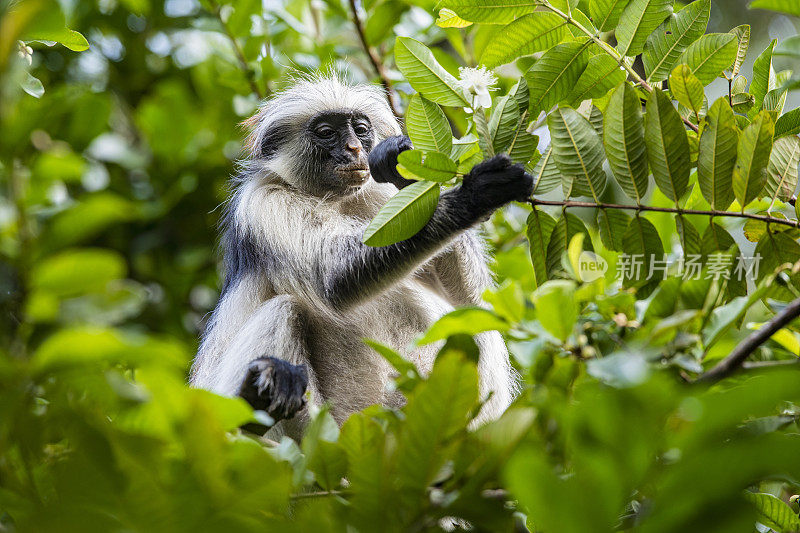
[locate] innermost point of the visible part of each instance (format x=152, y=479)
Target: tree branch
x=237, y=50
x=391, y=95
x=677, y=210
x=736, y=358
x=610, y=50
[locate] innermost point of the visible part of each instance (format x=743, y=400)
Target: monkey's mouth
x=358, y=173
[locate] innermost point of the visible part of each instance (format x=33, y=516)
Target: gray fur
x=302, y=287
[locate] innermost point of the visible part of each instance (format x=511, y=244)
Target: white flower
x=477, y=82
x=25, y=52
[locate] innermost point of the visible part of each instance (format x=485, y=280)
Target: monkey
x=301, y=290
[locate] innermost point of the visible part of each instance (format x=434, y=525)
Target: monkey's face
x=340, y=144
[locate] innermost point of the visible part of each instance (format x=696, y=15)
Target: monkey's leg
x=268, y=363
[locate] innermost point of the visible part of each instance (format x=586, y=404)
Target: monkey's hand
x=275, y=386
x=494, y=183
x=383, y=161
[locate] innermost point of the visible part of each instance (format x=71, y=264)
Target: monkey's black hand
x=275, y=386
x=383, y=161
x=494, y=183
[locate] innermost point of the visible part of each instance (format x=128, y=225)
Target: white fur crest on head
x=312, y=94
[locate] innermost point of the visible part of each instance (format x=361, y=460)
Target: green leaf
x=687, y=89
x=32, y=85
x=329, y=464
x=602, y=74
x=539, y=229
x=755, y=145
x=554, y=75
x=642, y=245
x=775, y=101
x=742, y=34
x=688, y=235
x=556, y=307
x=667, y=146
x=754, y=229
x=578, y=151
x=448, y=19
x=724, y=317
x=525, y=36
x=638, y=20
x=717, y=155
x=565, y=229
x=84, y=346
x=78, y=271
x=482, y=129
x=546, y=176
x=790, y=7
x=432, y=166
x=772, y=511
x=363, y=440
x=49, y=24
x=491, y=11
x=764, y=78
x=612, y=224
x=427, y=126
x=710, y=55
x=465, y=320
x=436, y=411
x=716, y=239
x=89, y=218
x=239, y=21
x=503, y=123
x=425, y=74
x=384, y=17
x=606, y=13
x=624, y=142
x=522, y=145
x=782, y=168
x=403, y=215
x=670, y=40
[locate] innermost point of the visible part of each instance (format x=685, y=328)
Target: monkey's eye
x=361, y=128
x=325, y=132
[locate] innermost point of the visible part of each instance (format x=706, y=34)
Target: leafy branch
x=676, y=210
x=237, y=50
x=608, y=49
x=737, y=357
x=375, y=60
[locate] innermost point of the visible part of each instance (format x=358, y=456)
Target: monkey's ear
x=250, y=126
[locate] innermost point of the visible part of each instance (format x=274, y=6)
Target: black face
x=341, y=142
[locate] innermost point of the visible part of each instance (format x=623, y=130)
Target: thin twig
x=677, y=210
x=317, y=494
x=237, y=50
x=737, y=357
x=756, y=365
x=610, y=50
x=391, y=95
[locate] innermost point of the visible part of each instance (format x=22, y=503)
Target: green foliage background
x=118, y=129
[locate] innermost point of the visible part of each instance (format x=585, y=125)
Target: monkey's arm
x=355, y=271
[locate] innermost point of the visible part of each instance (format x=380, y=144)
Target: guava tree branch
x=737, y=357
x=610, y=50
x=237, y=50
x=375, y=60
x=677, y=210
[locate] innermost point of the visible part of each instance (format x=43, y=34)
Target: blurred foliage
x=113, y=160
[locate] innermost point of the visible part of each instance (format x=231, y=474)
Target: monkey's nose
x=354, y=146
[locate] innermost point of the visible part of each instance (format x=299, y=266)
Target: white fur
x=282, y=311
